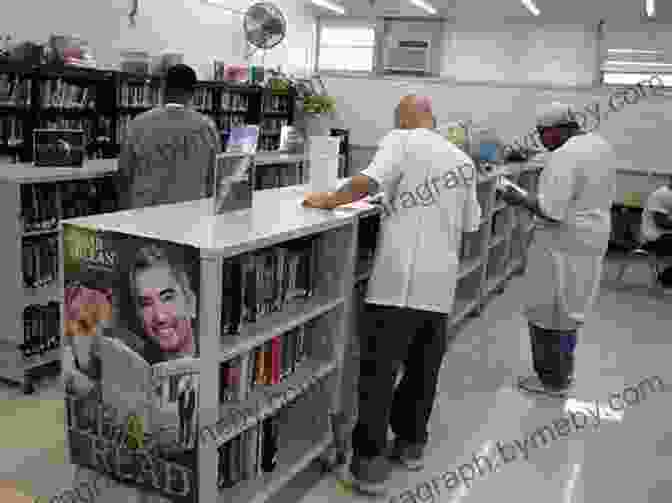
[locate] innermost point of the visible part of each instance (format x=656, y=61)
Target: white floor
x=625, y=458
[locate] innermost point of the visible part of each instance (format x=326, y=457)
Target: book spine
x=244, y=378
x=276, y=349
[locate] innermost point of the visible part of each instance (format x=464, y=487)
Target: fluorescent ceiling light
x=327, y=4
x=424, y=6
x=650, y=8
x=529, y=5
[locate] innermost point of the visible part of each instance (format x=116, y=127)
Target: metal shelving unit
x=14, y=366
x=306, y=401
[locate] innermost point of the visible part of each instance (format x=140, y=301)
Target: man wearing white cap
x=575, y=194
x=430, y=186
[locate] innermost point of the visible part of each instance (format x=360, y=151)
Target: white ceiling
x=619, y=12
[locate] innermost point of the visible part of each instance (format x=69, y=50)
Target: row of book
x=39, y=261
x=227, y=122
x=41, y=329
x=270, y=176
x=139, y=95
x=61, y=94
x=122, y=127
x=273, y=126
x=85, y=124
x=233, y=102
x=269, y=364
x=269, y=143
x=11, y=130
x=367, y=240
x=249, y=455
x=265, y=281
x=39, y=201
x=204, y=98
x=15, y=90
x=276, y=104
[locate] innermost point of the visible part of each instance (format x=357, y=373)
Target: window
x=346, y=47
x=631, y=66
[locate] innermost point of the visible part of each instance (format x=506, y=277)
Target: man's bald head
x=414, y=112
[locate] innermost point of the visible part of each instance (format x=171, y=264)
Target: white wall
x=515, y=53
x=202, y=32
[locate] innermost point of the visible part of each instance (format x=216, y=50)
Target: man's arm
x=383, y=171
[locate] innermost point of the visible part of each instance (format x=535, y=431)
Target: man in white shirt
x=575, y=195
x=430, y=193
x=657, y=227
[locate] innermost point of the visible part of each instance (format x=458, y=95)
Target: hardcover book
x=130, y=359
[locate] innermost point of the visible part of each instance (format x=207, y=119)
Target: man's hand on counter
x=322, y=200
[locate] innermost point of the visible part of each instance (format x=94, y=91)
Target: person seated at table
x=657, y=227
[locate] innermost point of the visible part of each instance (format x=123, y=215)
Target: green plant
x=319, y=104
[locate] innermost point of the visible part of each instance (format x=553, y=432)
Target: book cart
x=35, y=200
x=272, y=288
x=488, y=259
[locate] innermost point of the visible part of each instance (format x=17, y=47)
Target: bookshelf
x=35, y=200
x=270, y=331
x=102, y=102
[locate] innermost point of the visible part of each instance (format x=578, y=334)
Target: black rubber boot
x=553, y=357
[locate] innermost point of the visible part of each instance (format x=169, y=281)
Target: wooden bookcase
x=18, y=184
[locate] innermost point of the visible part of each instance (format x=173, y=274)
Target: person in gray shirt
x=168, y=154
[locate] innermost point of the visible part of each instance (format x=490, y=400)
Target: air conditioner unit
x=408, y=56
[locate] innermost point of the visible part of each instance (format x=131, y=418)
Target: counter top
x=28, y=173
x=276, y=216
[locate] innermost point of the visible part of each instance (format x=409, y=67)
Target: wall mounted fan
x=265, y=27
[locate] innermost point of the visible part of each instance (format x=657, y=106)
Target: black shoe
x=370, y=475
x=408, y=454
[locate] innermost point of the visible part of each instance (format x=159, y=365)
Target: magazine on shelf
x=131, y=359
x=234, y=182
x=243, y=140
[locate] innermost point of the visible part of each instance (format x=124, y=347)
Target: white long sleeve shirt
x=431, y=185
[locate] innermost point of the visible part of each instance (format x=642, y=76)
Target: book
x=233, y=182
x=243, y=139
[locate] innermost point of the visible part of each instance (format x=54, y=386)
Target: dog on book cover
x=132, y=370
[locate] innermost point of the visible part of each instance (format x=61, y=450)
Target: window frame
x=325, y=21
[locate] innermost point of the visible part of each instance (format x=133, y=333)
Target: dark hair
x=181, y=78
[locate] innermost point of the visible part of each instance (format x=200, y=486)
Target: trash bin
x=553, y=339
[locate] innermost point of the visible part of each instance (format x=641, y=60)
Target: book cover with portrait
x=130, y=359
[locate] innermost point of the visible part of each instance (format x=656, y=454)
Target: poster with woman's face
x=131, y=333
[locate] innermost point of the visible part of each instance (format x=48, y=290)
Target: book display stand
x=220, y=339
x=35, y=201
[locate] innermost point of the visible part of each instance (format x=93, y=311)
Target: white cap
x=555, y=114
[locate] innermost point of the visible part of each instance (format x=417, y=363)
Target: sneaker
x=408, y=454
x=370, y=475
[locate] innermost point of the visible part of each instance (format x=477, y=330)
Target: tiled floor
x=624, y=457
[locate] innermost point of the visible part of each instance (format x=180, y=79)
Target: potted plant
x=318, y=112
